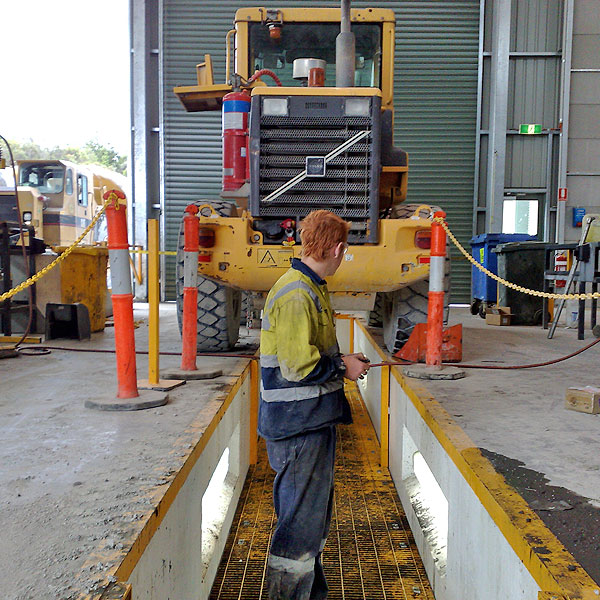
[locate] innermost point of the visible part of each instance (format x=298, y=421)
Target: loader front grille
x=316, y=126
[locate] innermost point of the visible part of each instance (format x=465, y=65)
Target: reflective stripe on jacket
x=301, y=381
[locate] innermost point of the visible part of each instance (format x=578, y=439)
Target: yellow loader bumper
x=241, y=260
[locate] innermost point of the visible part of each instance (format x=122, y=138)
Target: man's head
x=320, y=231
x=324, y=236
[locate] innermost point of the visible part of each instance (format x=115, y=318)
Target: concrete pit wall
x=477, y=537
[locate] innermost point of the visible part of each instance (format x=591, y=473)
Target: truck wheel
x=219, y=306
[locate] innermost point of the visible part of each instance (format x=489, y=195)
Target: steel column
x=498, y=114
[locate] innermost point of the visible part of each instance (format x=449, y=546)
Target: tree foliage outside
x=93, y=153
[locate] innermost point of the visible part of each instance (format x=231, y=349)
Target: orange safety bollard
x=435, y=310
x=189, y=328
x=189, y=320
x=128, y=397
x=122, y=297
x=433, y=368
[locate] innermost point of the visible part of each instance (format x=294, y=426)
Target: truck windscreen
x=315, y=40
x=47, y=178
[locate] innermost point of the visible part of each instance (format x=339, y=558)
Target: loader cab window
x=315, y=40
x=82, y=190
x=47, y=178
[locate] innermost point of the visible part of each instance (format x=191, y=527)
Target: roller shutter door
x=435, y=85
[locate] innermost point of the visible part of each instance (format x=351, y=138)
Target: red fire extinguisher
x=560, y=264
x=236, y=109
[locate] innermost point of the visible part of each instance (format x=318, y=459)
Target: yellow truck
x=319, y=135
x=59, y=199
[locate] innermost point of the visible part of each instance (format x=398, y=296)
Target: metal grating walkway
x=370, y=551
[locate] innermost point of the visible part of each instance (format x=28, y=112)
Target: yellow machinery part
x=241, y=259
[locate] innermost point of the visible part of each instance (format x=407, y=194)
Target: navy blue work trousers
x=303, y=498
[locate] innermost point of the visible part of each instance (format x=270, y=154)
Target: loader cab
x=273, y=39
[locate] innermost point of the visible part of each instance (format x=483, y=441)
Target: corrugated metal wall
x=435, y=101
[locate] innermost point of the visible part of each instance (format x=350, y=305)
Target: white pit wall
x=177, y=562
x=475, y=559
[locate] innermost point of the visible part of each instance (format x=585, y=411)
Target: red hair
x=320, y=231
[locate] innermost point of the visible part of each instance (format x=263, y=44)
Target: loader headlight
x=27, y=216
x=275, y=107
x=357, y=107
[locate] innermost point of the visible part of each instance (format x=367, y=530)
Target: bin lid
x=519, y=247
x=500, y=238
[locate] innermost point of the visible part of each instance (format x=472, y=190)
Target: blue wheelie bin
x=484, y=288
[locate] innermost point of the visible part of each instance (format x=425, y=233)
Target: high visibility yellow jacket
x=302, y=371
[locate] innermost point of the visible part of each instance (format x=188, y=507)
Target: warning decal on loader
x=274, y=258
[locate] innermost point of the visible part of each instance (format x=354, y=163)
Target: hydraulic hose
x=262, y=72
x=39, y=350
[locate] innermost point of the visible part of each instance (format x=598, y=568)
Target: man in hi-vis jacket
x=302, y=400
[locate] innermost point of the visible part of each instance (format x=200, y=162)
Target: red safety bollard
x=189, y=329
x=122, y=297
x=435, y=311
x=189, y=320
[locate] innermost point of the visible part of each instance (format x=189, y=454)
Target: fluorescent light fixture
x=358, y=107
x=275, y=107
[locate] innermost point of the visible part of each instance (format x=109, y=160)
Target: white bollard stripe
x=436, y=273
x=120, y=273
x=190, y=269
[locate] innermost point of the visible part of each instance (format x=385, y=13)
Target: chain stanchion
x=433, y=368
x=435, y=304
x=191, y=248
x=128, y=397
x=189, y=321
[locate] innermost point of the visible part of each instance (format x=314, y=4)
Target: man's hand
x=357, y=365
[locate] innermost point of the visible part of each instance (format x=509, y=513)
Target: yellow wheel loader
x=319, y=135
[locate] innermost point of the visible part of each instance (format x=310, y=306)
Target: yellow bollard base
x=162, y=385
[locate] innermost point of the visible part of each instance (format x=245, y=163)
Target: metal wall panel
x=435, y=83
x=435, y=99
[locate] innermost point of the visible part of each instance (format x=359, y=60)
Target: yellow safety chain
x=513, y=286
x=25, y=284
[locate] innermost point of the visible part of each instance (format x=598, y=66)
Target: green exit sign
x=529, y=129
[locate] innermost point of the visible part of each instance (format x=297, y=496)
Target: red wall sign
x=562, y=194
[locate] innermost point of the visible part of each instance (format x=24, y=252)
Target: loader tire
x=404, y=308
x=376, y=315
x=219, y=306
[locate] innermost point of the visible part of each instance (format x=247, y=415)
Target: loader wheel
x=402, y=310
x=219, y=306
x=376, y=315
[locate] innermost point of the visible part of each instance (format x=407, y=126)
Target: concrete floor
x=73, y=478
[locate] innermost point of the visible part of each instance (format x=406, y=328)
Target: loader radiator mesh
x=349, y=186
